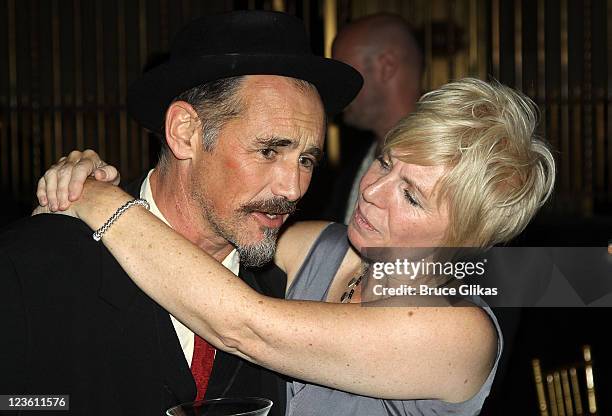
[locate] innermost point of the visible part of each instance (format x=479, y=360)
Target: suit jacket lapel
x=136, y=310
x=178, y=380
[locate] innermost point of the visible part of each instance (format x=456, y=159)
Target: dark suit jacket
x=72, y=322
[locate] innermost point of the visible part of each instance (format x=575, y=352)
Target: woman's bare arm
x=387, y=352
x=63, y=183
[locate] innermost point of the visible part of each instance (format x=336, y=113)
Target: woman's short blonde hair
x=499, y=173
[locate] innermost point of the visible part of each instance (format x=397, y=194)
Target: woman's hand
x=63, y=183
x=98, y=201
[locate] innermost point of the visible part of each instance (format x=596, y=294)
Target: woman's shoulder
x=295, y=243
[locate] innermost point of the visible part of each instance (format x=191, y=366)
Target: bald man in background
x=383, y=48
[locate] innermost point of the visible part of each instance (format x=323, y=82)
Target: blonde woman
x=465, y=169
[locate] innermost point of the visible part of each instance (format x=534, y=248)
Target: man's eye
x=307, y=162
x=411, y=199
x=268, y=153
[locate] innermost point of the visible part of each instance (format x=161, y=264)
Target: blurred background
x=65, y=66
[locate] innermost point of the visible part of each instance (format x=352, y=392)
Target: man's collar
x=147, y=193
x=231, y=261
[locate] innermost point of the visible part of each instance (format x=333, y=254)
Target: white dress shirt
x=231, y=262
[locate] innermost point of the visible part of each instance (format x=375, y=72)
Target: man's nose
x=287, y=183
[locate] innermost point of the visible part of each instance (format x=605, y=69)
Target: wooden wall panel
x=66, y=65
x=558, y=52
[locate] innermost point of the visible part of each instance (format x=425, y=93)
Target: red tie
x=201, y=364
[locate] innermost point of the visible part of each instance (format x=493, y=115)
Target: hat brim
x=149, y=97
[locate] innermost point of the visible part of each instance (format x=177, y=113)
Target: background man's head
x=383, y=48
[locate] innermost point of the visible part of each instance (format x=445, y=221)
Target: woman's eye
x=383, y=162
x=411, y=199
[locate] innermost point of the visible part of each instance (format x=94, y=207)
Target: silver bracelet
x=97, y=235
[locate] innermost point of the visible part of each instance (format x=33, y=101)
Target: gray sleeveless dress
x=312, y=283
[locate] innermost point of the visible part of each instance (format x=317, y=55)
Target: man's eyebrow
x=315, y=151
x=275, y=141
x=415, y=186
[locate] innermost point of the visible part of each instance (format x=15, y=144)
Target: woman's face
x=397, y=206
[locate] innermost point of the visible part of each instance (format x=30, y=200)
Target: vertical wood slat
x=599, y=151
x=518, y=44
x=553, y=97
x=495, y=38
x=13, y=124
x=186, y=11
x=330, y=29
x=4, y=152
x=4, y=123
x=4, y=147
x=100, y=96
x=46, y=109
x=577, y=139
x=20, y=122
x=163, y=24
x=35, y=87
x=460, y=69
x=78, y=75
x=473, y=48
x=428, y=45
x=57, y=79
x=565, y=125
x=541, y=62
x=47, y=137
x=143, y=50
x=278, y=5
x=306, y=15
x=482, y=39
x=609, y=118
x=26, y=139
x=587, y=108
x=576, y=168
x=450, y=35
x=122, y=75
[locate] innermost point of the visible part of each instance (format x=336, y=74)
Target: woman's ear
x=182, y=129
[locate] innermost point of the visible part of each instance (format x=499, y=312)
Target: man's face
x=363, y=110
x=261, y=165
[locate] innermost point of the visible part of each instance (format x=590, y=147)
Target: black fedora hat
x=234, y=44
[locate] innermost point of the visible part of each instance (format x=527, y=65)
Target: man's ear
x=182, y=129
x=388, y=63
